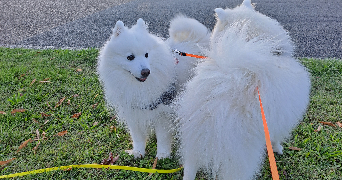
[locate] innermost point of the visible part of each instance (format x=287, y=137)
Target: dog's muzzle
x=144, y=74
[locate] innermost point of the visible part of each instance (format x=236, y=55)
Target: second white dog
x=221, y=129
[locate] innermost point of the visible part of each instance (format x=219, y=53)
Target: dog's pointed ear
x=248, y=4
x=220, y=14
x=141, y=24
x=119, y=28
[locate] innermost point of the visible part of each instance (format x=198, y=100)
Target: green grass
x=91, y=136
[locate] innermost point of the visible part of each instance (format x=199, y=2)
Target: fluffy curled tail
x=184, y=29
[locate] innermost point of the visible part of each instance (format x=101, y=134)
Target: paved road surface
x=315, y=26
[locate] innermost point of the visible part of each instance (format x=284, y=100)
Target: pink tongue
x=143, y=79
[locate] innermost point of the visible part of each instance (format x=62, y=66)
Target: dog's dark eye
x=146, y=55
x=130, y=57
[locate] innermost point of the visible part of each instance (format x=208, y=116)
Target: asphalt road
x=314, y=25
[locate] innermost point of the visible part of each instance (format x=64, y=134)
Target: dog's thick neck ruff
x=166, y=98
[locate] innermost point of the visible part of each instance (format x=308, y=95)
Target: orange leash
x=187, y=54
x=273, y=165
x=196, y=56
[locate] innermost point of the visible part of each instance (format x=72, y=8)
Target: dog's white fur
x=221, y=129
x=258, y=24
x=136, y=68
x=190, y=36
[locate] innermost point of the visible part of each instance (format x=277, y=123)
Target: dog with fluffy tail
x=140, y=79
x=220, y=125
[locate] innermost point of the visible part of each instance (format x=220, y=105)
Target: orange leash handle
x=273, y=165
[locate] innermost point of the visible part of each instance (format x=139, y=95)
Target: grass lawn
x=59, y=99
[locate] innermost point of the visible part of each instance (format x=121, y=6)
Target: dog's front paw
x=163, y=150
x=135, y=153
x=163, y=155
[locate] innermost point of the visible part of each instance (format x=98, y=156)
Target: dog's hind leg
x=277, y=147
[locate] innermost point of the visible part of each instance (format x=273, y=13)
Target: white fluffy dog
x=138, y=73
x=221, y=130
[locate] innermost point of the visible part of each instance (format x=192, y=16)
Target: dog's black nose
x=145, y=72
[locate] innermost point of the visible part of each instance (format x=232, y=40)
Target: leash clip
x=179, y=52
